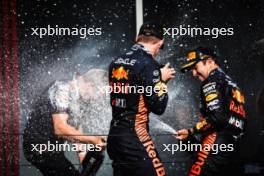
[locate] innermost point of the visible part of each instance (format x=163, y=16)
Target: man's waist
x=127, y=124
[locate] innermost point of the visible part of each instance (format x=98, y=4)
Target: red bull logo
x=191, y=56
x=239, y=109
x=238, y=96
x=120, y=73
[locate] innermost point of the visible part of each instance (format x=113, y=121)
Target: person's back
x=137, y=89
x=132, y=73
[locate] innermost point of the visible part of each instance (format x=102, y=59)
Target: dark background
x=51, y=58
x=241, y=55
x=42, y=61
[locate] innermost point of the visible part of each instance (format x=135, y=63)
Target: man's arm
x=216, y=116
x=152, y=78
x=216, y=106
x=64, y=130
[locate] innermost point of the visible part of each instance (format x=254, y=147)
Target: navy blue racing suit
x=137, y=90
x=222, y=124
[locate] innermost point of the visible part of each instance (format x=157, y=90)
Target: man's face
x=201, y=70
x=158, y=46
x=90, y=90
x=86, y=89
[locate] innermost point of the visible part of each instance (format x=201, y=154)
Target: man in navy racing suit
x=222, y=111
x=138, y=88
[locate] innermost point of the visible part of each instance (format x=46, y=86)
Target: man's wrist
x=165, y=82
x=190, y=131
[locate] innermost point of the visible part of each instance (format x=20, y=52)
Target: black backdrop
x=50, y=58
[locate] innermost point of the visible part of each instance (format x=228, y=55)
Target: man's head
x=90, y=84
x=201, y=61
x=151, y=36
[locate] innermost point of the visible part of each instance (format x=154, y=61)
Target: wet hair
x=96, y=77
x=148, y=39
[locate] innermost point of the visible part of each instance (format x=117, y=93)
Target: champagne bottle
x=92, y=162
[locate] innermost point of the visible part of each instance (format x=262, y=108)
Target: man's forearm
x=190, y=131
x=202, y=126
x=70, y=133
x=66, y=131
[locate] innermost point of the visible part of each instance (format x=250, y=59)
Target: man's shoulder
x=58, y=93
x=215, y=81
x=132, y=59
x=59, y=84
x=225, y=80
x=219, y=80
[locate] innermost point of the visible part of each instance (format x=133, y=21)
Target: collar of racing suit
x=141, y=47
x=213, y=72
